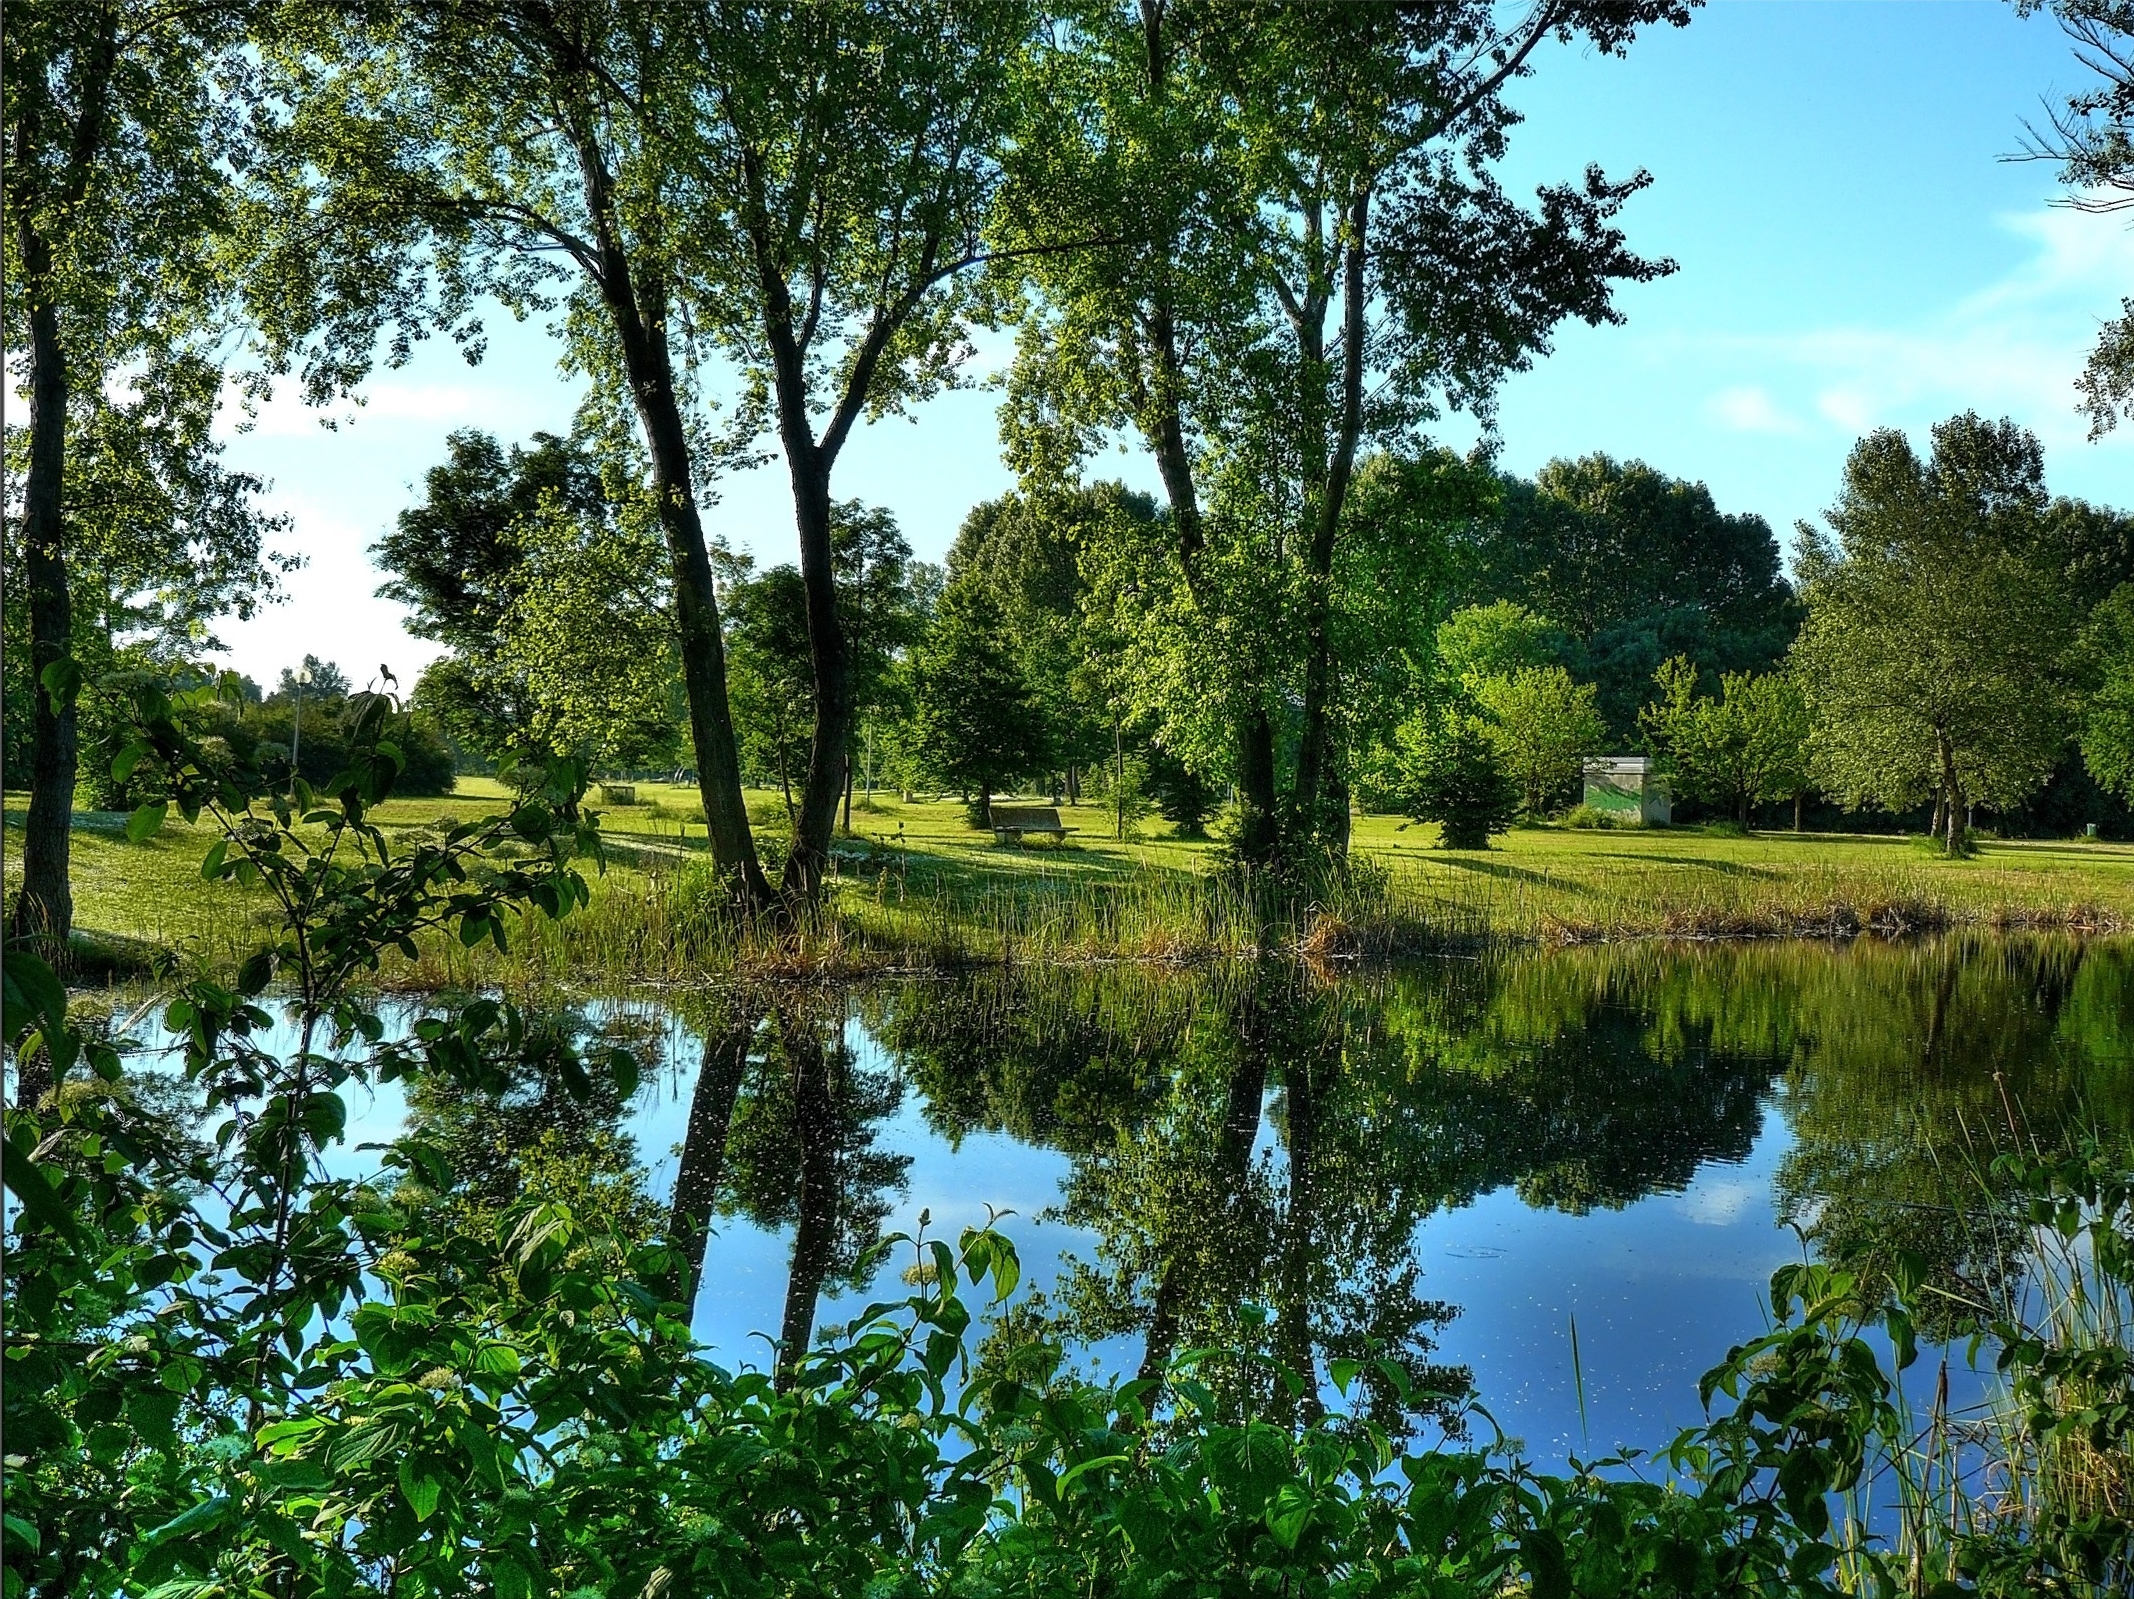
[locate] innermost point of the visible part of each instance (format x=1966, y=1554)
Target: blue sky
x=1854, y=252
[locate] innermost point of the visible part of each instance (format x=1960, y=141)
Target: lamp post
x=296, y=726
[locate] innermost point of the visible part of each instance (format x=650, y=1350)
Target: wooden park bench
x=1013, y=823
x=618, y=793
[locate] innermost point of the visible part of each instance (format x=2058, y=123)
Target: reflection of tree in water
x=800, y=1150
x=1917, y=1065
x=548, y=1128
x=1387, y=1100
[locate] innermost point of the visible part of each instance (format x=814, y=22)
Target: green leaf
x=497, y=1360
x=208, y=1513
x=147, y=821
x=211, y=866
x=421, y=1488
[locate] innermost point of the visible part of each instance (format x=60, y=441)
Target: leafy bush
x=1457, y=779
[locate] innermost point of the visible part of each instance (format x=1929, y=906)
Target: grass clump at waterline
x=915, y=886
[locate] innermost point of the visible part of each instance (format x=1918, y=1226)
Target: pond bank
x=916, y=890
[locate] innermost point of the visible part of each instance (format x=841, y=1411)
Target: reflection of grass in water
x=916, y=886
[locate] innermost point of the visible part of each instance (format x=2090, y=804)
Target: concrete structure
x=1627, y=786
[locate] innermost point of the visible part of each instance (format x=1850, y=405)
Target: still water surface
x=1450, y=1162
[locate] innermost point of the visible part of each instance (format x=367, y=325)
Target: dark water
x=1449, y=1164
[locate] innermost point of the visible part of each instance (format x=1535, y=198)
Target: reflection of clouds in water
x=1719, y=1203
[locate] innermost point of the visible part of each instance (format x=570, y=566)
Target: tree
x=1495, y=640
x=432, y=157
x=1934, y=658
x=1028, y=550
x=456, y=560
x=1743, y=748
x=1643, y=567
x=1543, y=726
x=1454, y=776
x=124, y=121
x=2092, y=139
x=973, y=718
x=838, y=204
x=592, y=639
x=326, y=681
x=773, y=674
x=1306, y=259
x=2108, y=719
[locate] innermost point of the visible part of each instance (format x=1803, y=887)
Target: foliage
x=973, y=721
x=1185, y=798
x=2108, y=719
x=1496, y=640
x=457, y=560
x=1455, y=776
x=1306, y=258
x=1639, y=567
x=2092, y=138
x=1543, y=726
x=1745, y=747
x=1933, y=660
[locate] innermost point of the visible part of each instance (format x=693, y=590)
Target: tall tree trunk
x=639, y=320
x=848, y=792
x=1796, y=810
x=829, y=658
x=1952, y=801
x=1310, y=802
x=43, y=911
x=815, y=1154
x=711, y=1115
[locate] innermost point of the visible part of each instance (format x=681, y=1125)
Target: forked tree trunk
x=638, y=315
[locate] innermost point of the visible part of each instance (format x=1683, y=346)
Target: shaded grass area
x=916, y=887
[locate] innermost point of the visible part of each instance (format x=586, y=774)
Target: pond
x=1563, y=1176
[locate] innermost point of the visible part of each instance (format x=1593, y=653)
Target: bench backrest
x=1032, y=816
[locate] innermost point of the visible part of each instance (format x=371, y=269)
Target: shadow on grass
x=1522, y=874
x=1724, y=868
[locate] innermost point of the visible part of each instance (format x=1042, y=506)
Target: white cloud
x=1751, y=409
x=1718, y=1203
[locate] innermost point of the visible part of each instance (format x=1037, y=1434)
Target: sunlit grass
x=914, y=885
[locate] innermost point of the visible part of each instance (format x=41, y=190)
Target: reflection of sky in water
x=1660, y=1290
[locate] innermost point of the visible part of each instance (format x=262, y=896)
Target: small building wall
x=1627, y=786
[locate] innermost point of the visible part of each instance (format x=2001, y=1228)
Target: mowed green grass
x=913, y=870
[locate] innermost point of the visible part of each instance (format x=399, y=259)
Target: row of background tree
x=1018, y=663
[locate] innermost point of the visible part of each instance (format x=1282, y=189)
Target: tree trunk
x=641, y=331
x=711, y=1115
x=1741, y=810
x=43, y=912
x=1796, y=811
x=985, y=805
x=1258, y=831
x=1952, y=800
x=815, y=1155
x=848, y=793
x=1310, y=803
x=828, y=657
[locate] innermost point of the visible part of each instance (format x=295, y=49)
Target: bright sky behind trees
x=1854, y=252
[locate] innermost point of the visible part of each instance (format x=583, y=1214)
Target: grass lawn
x=915, y=878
